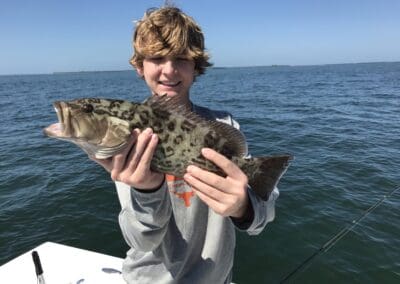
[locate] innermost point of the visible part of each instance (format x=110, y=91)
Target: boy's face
x=168, y=75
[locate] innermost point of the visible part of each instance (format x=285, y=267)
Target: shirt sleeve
x=144, y=219
x=264, y=212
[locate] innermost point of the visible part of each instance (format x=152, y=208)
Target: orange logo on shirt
x=180, y=188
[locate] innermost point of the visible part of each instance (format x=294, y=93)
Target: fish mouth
x=59, y=129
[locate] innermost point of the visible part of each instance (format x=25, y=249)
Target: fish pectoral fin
x=114, y=138
x=117, y=132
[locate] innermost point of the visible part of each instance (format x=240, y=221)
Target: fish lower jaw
x=55, y=130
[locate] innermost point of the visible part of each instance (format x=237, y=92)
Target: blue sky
x=45, y=36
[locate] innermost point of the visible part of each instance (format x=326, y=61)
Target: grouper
x=103, y=128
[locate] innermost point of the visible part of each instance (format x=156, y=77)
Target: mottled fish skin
x=102, y=128
x=183, y=134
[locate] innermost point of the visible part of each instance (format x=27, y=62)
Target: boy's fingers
x=209, y=191
x=119, y=160
x=208, y=178
x=229, y=167
x=137, y=152
x=207, y=200
x=132, y=155
x=148, y=153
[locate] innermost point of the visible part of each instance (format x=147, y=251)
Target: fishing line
x=331, y=242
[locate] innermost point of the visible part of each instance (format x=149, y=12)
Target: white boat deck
x=63, y=265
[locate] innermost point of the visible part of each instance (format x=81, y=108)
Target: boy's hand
x=227, y=196
x=132, y=166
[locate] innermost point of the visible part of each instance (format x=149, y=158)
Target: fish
x=103, y=128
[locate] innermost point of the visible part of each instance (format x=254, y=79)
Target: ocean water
x=342, y=123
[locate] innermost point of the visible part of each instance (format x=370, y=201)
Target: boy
x=180, y=230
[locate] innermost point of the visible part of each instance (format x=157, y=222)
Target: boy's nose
x=169, y=66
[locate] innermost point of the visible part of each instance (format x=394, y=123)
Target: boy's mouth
x=169, y=84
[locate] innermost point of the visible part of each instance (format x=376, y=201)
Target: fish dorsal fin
x=235, y=140
x=170, y=104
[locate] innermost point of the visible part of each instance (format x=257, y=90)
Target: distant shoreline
x=96, y=71
x=216, y=67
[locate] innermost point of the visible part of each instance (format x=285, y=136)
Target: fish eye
x=88, y=108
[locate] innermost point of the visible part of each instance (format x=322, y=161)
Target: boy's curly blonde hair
x=168, y=31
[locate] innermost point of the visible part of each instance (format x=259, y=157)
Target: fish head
x=98, y=126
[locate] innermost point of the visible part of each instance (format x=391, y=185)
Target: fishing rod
x=332, y=241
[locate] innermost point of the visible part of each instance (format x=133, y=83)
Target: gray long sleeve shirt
x=175, y=237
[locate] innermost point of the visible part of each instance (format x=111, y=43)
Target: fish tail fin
x=264, y=173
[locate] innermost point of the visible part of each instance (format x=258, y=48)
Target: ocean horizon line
x=213, y=67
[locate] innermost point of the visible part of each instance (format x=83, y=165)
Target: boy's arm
x=144, y=218
x=145, y=211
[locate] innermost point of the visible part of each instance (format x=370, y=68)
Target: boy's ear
x=140, y=72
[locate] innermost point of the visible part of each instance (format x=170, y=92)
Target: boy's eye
x=155, y=59
x=161, y=59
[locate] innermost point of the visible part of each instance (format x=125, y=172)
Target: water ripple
x=340, y=121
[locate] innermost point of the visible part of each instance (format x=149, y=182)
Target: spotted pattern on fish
x=181, y=138
x=104, y=128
